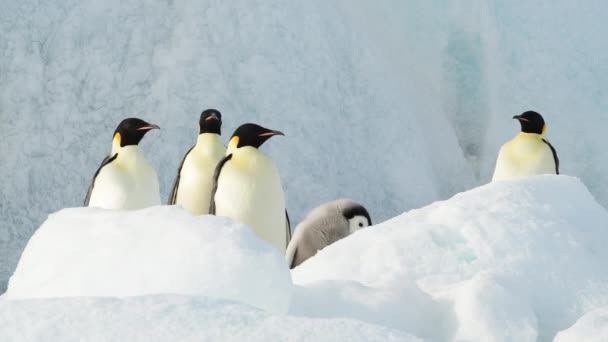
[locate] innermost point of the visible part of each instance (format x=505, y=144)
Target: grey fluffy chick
x=323, y=226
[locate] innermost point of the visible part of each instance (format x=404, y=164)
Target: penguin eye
x=361, y=224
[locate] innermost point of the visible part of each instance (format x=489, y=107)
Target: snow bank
x=97, y=252
x=510, y=261
x=593, y=327
x=171, y=318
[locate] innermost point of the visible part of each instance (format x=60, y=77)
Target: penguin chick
x=125, y=179
x=194, y=181
x=323, y=226
x=529, y=153
x=247, y=187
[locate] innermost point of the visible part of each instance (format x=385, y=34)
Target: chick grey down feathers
x=323, y=226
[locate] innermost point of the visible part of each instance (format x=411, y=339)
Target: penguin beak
x=271, y=133
x=147, y=127
x=518, y=117
x=212, y=117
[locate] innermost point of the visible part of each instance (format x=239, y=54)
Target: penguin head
x=130, y=131
x=210, y=122
x=356, y=215
x=252, y=135
x=531, y=122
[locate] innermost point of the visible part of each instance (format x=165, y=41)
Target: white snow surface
x=83, y=252
x=593, y=327
x=520, y=260
x=393, y=103
x=510, y=261
x=171, y=318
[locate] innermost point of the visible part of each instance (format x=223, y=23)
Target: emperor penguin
x=194, y=181
x=247, y=187
x=323, y=226
x=125, y=179
x=529, y=153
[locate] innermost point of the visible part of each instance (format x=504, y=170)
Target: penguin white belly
x=129, y=182
x=111, y=188
x=147, y=191
x=250, y=192
x=524, y=156
x=196, y=177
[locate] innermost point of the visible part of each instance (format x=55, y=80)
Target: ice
x=509, y=261
x=83, y=252
x=171, y=318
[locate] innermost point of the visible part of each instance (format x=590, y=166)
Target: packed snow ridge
x=98, y=252
x=519, y=260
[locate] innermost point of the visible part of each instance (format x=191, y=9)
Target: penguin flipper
x=555, y=158
x=216, y=178
x=107, y=160
x=287, y=228
x=174, y=188
x=291, y=253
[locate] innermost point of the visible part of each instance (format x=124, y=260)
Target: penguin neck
x=249, y=157
x=524, y=135
x=207, y=139
x=128, y=156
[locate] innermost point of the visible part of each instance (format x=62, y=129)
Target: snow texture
x=95, y=252
x=392, y=103
x=593, y=327
x=509, y=261
x=171, y=318
x=520, y=260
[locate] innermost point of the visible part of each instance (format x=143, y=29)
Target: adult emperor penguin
x=125, y=179
x=529, y=153
x=247, y=187
x=194, y=181
x=323, y=226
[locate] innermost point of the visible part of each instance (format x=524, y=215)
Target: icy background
x=393, y=103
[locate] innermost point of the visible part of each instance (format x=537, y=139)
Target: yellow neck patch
x=117, y=138
x=544, y=130
x=116, y=143
x=234, y=142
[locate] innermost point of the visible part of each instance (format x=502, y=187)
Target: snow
x=509, y=261
x=171, y=318
x=593, y=327
x=520, y=260
x=97, y=252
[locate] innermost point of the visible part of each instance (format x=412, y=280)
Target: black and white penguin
x=194, y=181
x=125, y=179
x=529, y=153
x=247, y=187
x=323, y=226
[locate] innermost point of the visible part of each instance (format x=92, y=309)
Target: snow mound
x=97, y=252
x=171, y=318
x=593, y=327
x=517, y=260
